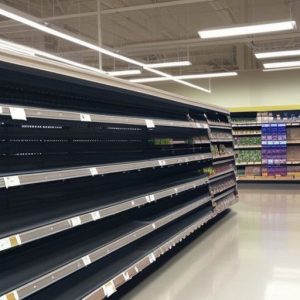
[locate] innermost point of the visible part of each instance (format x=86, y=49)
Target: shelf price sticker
x=5, y=244
x=18, y=113
x=150, y=198
x=200, y=125
x=162, y=163
x=86, y=260
x=149, y=123
x=11, y=181
x=152, y=258
x=95, y=215
x=85, y=118
x=94, y=171
x=10, y=296
x=126, y=276
x=109, y=289
x=1, y=112
x=75, y=221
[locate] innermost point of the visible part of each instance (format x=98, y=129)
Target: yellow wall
x=249, y=89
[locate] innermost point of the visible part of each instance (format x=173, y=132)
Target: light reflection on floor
x=251, y=254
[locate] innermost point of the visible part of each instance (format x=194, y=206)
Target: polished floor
x=253, y=253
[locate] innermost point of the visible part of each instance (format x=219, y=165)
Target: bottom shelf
x=268, y=178
x=103, y=278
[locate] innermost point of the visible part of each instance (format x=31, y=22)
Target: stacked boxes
x=248, y=156
x=274, y=149
x=249, y=140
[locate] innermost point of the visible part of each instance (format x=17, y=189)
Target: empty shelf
x=26, y=272
x=115, y=270
x=24, y=179
x=34, y=112
x=26, y=225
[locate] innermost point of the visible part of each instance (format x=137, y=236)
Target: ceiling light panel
x=124, y=73
x=170, y=64
x=275, y=54
x=247, y=30
x=280, y=69
x=283, y=64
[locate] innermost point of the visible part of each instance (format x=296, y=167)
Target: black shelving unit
x=97, y=181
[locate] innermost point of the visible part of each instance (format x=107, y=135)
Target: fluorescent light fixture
x=280, y=69
x=9, y=46
x=247, y=30
x=170, y=64
x=124, y=72
x=186, y=77
x=282, y=64
x=10, y=13
x=173, y=78
x=20, y=49
x=275, y=54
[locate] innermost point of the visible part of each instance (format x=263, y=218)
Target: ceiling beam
x=152, y=6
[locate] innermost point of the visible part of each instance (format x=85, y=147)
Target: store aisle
x=253, y=253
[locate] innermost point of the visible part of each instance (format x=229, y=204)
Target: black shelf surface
x=86, y=171
x=39, y=144
x=87, y=280
x=32, y=87
x=24, y=210
x=225, y=193
x=30, y=262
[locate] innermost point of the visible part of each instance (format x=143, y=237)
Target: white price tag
x=75, y=221
x=176, y=190
x=11, y=181
x=200, y=125
x=149, y=123
x=17, y=113
x=94, y=171
x=162, y=163
x=153, y=225
x=18, y=239
x=12, y=295
x=85, y=118
x=109, y=288
x=126, y=276
x=86, y=260
x=150, y=198
x=1, y=110
x=152, y=258
x=5, y=244
x=95, y=215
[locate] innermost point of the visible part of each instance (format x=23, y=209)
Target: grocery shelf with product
x=100, y=177
x=267, y=145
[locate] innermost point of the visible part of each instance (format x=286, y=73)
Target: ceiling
x=155, y=31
